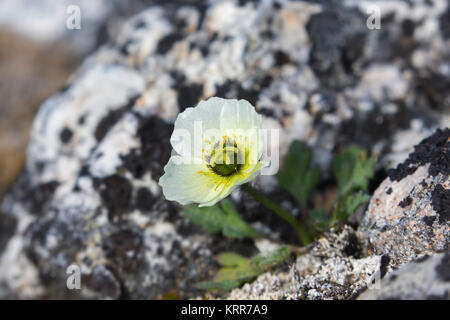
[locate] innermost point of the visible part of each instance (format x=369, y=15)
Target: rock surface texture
x=332, y=269
x=427, y=278
x=89, y=195
x=77, y=24
x=409, y=213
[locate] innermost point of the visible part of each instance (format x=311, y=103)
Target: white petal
x=183, y=183
x=190, y=125
x=225, y=193
x=213, y=117
x=239, y=115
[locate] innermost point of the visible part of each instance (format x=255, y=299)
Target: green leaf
x=243, y=272
x=318, y=216
x=353, y=169
x=231, y=259
x=349, y=203
x=211, y=218
x=298, y=177
x=276, y=257
x=233, y=226
x=238, y=269
x=319, y=219
x=224, y=285
x=221, y=218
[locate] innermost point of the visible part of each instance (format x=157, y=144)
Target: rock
x=332, y=269
x=89, y=195
x=427, y=278
x=90, y=198
x=408, y=215
x=47, y=23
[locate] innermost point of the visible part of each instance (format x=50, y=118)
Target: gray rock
x=89, y=194
x=408, y=215
x=427, y=278
x=332, y=269
x=45, y=23
x=90, y=198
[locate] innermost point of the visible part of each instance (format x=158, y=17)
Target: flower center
x=226, y=161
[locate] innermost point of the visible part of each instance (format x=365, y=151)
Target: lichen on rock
x=408, y=214
x=333, y=268
x=424, y=279
x=89, y=194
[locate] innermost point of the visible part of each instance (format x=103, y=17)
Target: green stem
x=302, y=233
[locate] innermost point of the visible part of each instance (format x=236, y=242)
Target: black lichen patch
x=429, y=220
x=244, y=2
x=40, y=195
x=422, y=259
x=431, y=89
x=116, y=193
x=408, y=27
x=405, y=202
x=71, y=235
x=167, y=42
x=434, y=150
x=270, y=113
x=353, y=50
x=204, y=48
x=251, y=95
x=125, y=48
x=384, y=264
x=281, y=58
x=445, y=23
x=223, y=89
x=368, y=128
x=103, y=281
x=233, y=89
x=443, y=268
x=400, y=46
x=8, y=226
x=401, y=171
x=393, y=277
x=440, y=198
x=107, y=123
x=144, y=200
x=353, y=247
x=82, y=120
x=140, y=24
x=338, y=36
x=123, y=249
x=189, y=95
x=265, y=82
x=389, y=191
x=154, y=134
x=377, y=179
x=111, y=119
x=66, y=135
x=84, y=171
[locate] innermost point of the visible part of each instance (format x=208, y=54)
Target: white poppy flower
x=219, y=147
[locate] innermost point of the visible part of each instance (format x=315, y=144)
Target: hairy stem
x=301, y=231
